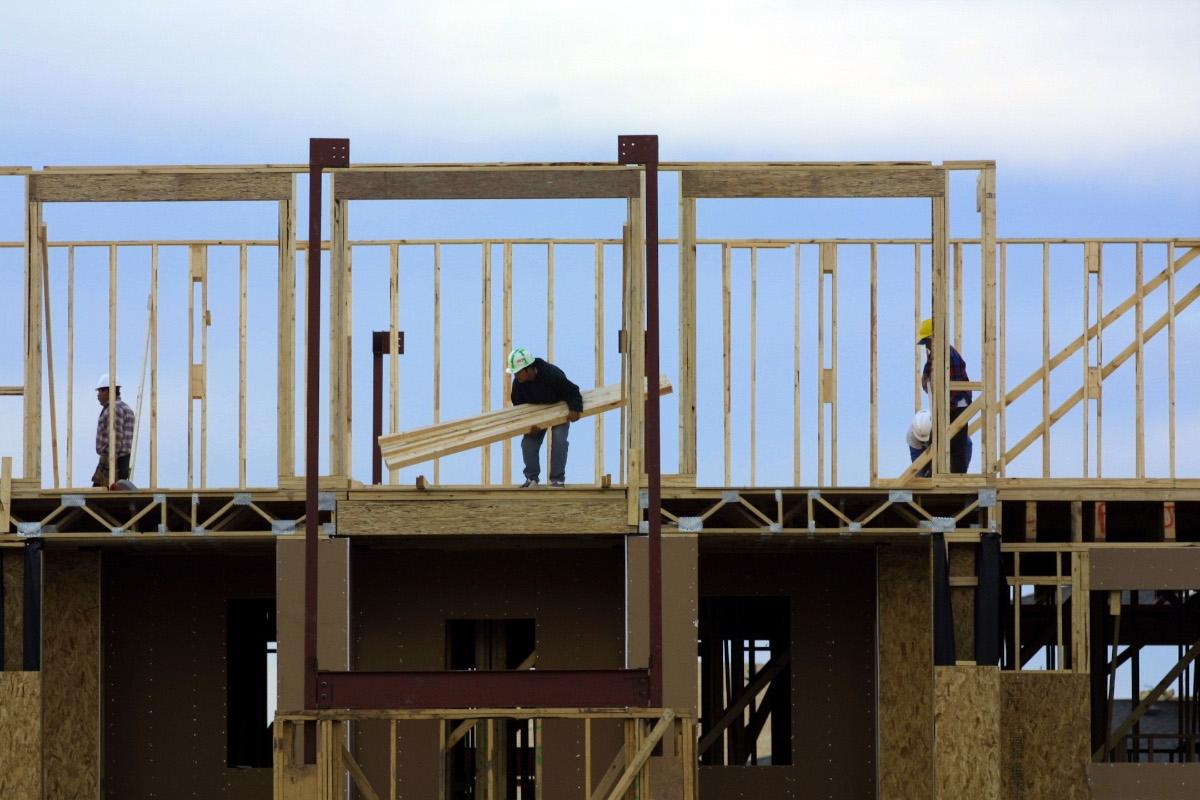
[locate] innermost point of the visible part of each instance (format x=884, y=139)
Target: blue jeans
x=531, y=443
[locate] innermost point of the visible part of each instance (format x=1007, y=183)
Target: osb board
x=71, y=672
x=402, y=598
x=1044, y=720
x=20, y=736
x=333, y=613
x=679, y=615
x=962, y=600
x=832, y=615
x=966, y=713
x=1144, y=781
x=12, y=572
x=540, y=511
x=164, y=648
x=905, y=673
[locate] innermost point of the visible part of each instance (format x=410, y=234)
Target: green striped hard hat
x=519, y=359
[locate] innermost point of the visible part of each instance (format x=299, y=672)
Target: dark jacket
x=550, y=386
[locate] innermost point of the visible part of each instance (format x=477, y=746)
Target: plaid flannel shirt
x=122, y=429
x=958, y=372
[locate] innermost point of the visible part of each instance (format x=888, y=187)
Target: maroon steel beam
x=644, y=150
x=322, y=153
x=542, y=688
x=381, y=345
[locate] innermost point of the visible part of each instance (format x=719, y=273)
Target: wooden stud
x=437, y=355
x=153, y=325
x=598, y=355
x=637, y=327
x=205, y=322
x=1088, y=258
x=958, y=295
x=1001, y=407
x=485, y=401
x=506, y=301
x=1168, y=516
x=687, y=336
x=392, y=760
x=833, y=364
x=824, y=397
x=71, y=358
x=796, y=455
x=726, y=360
x=1031, y=524
x=1046, y=357
x=5, y=494
x=393, y=347
x=1058, y=607
x=987, y=207
x=940, y=394
x=1139, y=422
x=753, y=358
x=1016, y=586
x=112, y=362
x=1099, y=527
x=874, y=389
x=550, y=301
x=587, y=757
x=285, y=340
x=916, y=325
x=1098, y=385
x=1171, y=359
x=538, y=758
x=1076, y=521
x=49, y=328
x=31, y=463
x=242, y=377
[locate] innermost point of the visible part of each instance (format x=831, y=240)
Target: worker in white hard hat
x=122, y=433
x=960, y=443
x=538, y=381
x=920, y=431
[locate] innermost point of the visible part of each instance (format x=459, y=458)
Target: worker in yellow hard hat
x=960, y=443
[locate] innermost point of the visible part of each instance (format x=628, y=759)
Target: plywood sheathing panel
x=164, y=639
x=966, y=711
x=402, y=598
x=20, y=735
x=1144, y=781
x=498, y=184
x=12, y=572
x=65, y=187
x=1145, y=568
x=543, y=511
x=71, y=673
x=1044, y=728
x=832, y=616
x=962, y=565
x=333, y=613
x=679, y=620
x=905, y=673
x=917, y=181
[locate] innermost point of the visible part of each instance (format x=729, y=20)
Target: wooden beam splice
x=424, y=444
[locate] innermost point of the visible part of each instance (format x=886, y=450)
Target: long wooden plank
x=422, y=444
x=497, y=184
x=915, y=181
x=65, y=188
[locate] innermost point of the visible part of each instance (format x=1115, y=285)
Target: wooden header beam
x=82, y=188
x=492, y=184
x=816, y=182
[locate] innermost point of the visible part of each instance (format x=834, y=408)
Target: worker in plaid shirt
x=122, y=432
x=960, y=443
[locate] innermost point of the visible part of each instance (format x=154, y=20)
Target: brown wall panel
x=1144, y=781
x=679, y=591
x=333, y=613
x=1044, y=720
x=164, y=671
x=905, y=673
x=966, y=709
x=832, y=611
x=1146, y=568
x=12, y=572
x=71, y=673
x=20, y=735
x=403, y=597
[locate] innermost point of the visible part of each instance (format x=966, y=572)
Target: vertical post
x=153, y=323
x=31, y=465
x=644, y=150
x=112, y=364
x=939, y=391
x=242, y=298
x=389, y=342
x=987, y=255
x=687, y=335
x=598, y=366
x=874, y=457
x=71, y=355
x=286, y=341
x=322, y=153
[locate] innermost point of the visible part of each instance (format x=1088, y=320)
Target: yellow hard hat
x=925, y=330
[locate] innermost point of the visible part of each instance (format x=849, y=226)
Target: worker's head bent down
x=521, y=365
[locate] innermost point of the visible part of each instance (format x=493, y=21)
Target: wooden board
x=966, y=710
x=53, y=187
x=496, y=184
x=530, y=511
x=1045, y=737
x=816, y=182
x=20, y=735
x=12, y=572
x=71, y=673
x=425, y=444
x=905, y=672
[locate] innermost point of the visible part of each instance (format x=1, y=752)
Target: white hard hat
x=103, y=383
x=519, y=359
x=922, y=425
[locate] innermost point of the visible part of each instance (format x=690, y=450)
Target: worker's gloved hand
x=573, y=416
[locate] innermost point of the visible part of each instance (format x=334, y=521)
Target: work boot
x=556, y=484
x=529, y=483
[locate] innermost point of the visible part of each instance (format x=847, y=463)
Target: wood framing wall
x=164, y=637
x=832, y=609
x=71, y=673
x=21, y=735
x=905, y=672
x=403, y=597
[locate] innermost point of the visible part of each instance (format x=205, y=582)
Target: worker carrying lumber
x=538, y=381
x=960, y=443
x=122, y=432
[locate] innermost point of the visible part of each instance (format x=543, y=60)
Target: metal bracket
x=814, y=493
x=283, y=526
x=329, y=529
x=637, y=149
x=690, y=524
x=643, y=499
x=899, y=496
x=987, y=498
x=29, y=529
x=158, y=498
x=775, y=527
x=644, y=526
x=195, y=499
x=326, y=501
x=943, y=525
x=198, y=530
x=854, y=526
x=730, y=497
x=117, y=531
x=329, y=152
x=162, y=528
x=73, y=501
x=241, y=498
